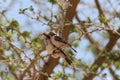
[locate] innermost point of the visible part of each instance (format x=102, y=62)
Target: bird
x=53, y=50
x=48, y=44
x=60, y=42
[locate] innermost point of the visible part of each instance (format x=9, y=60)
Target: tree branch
x=112, y=41
x=50, y=65
x=113, y=74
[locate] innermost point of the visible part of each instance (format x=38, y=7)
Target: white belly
x=49, y=47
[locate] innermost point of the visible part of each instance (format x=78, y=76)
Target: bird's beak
x=46, y=35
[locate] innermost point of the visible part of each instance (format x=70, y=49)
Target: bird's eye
x=51, y=34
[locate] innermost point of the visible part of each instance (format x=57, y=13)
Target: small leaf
x=1, y=33
x=31, y=8
x=117, y=64
x=103, y=19
x=69, y=53
x=14, y=23
x=22, y=11
x=13, y=67
x=10, y=77
x=60, y=74
x=45, y=17
x=1, y=48
x=75, y=29
x=36, y=40
x=26, y=33
x=13, y=56
x=36, y=43
x=88, y=20
x=9, y=34
x=52, y=1
x=38, y=18
x=22, y=39
x=105, y=65
x=8, y=28
x=95, y=67
x=76, y=44
x=27, y=45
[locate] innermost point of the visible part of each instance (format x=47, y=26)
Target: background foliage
x=92, y=27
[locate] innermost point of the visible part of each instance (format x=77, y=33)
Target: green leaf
x=10, y=77
x=45, y=17
x=37, y=39
x=95, y=67
x=76, y=44
x=14, y=23
x=117, y=64
x=31, y=8
x=52, y=1
x=22, y=11
x=13, y=67
x=85, y=74
x=13, y=56
x=36, y=43
x=103, y=19
x=38, y=17
x=22, y=38
x=8, y=28
x=105, y=65
x=58, y=75
x=75, y=29
x=9, y=34
x=88, y=20
x=1, y=33
x=7, y=47
x=26, y=33
x=69, y=52
x=89, y=47
x=72, y=28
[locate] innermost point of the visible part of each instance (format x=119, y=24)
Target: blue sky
x=27, y=24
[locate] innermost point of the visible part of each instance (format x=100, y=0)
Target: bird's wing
x=55, y=51
x=58, y=38
x=66, y=57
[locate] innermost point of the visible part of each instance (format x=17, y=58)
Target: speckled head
x=51, y=33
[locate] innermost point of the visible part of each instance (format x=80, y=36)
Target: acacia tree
x=22, y=55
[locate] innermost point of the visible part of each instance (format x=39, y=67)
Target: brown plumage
x=53, y=50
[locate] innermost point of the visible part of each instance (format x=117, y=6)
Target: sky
x=27, y=24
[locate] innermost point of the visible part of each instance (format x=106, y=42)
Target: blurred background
x=92, y=27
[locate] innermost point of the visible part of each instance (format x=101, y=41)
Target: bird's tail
x=69, y=61
x=72, y=48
